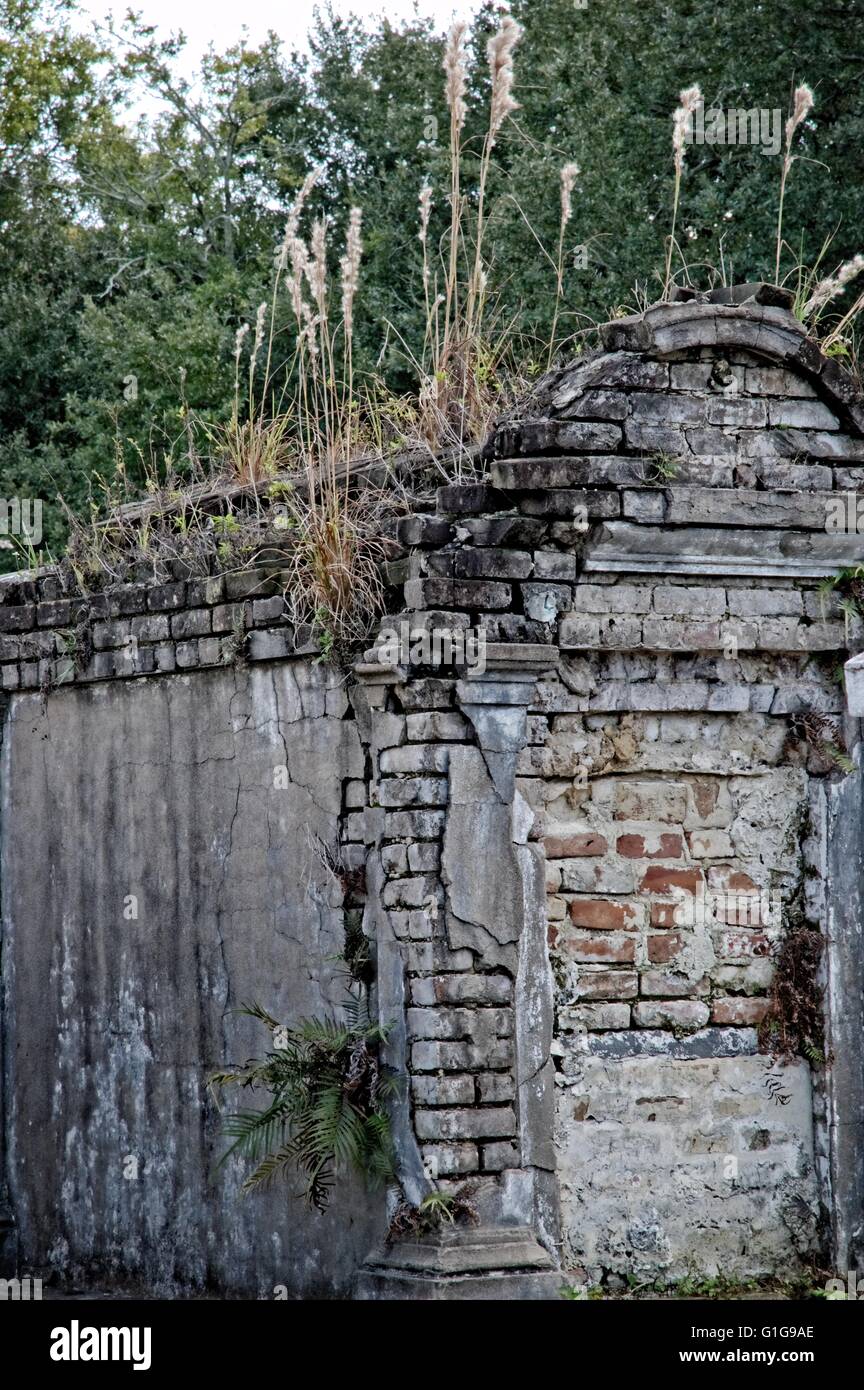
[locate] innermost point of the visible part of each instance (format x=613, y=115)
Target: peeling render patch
x=673, y=1166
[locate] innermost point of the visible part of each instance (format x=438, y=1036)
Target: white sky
x=221, y=23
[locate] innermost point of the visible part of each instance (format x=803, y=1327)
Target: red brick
x=663, y=914
x=607, y=984
x=583, y=947
x=663, y=947
x=743, y=1012
x=633, y=847
x=574, y=846
x=659, y=879
x=603, y=915
x=731, y=880
x=705, y=797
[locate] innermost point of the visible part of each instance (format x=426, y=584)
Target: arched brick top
x=650, y=352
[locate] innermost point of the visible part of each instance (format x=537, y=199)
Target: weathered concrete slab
x=157, y=873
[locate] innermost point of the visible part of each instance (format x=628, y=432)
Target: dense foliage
x=131, y=250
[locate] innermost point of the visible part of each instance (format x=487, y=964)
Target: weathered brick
x=801, y=415
x=660, y=879
x=54, y=613
x=265, y=645
x=602, y=914
x=248, y=584
x=664, y=946
x=573, y=845
x=498, y=1157
x=495, y=1087
x=427, y=957
x=585, y=948
x=186, y=654
x=201, y=591
x=773, y=381
x=394, y=859
x=228, y=617
x=611, y=598
x=115, y=633
x=268, y=610
x=151, y=627
x=462, y=989
x=595, y=1018
x=667, y=410
x=606, y=984
x=424, y=857
x=460, y=1056
x=209, y=651
x=479, y=1122
x=678, y=600
x=741, y=944
x=413, y=825
x=489, y=563
x=601, y=875
x=454, y=1024
x=666, y=846
x=412, y=791
x=415, y=757
x=443, y=1090
x=671, y=634
x=739, y=1012
x=554, y=564
x=665, y=984
x=709, y=844
x=194, y=622
x=409, y=892
x=543, y=602
x=647, y=801
x=737, y=412
x=166, y=596
x=451, y=1159
x=770, y=603
x=437, y=726
x=457, y=593
x=127, y=599
x=674, y=1013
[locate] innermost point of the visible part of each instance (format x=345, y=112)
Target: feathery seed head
x=499, y=51
x=425, y=203
x=454, y=66
x=239, y=338
x=690, y=98
x=803, y=101
x=833, y=285
x=569, y=175
x=350, y=267
x=259, y=335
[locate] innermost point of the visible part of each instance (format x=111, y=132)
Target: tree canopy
x=132, y=250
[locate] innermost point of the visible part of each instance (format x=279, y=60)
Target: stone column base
x=485, y=1262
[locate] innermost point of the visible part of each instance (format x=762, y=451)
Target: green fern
x=327, y=1103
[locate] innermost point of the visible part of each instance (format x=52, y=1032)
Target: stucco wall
x=167, y=789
